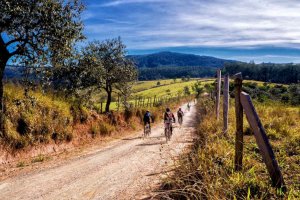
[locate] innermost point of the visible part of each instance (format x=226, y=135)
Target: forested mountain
x=177, y=59
x=175, y=72
x=267, y=72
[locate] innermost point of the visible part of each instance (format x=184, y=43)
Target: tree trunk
x=2, y=67
x=108, y=101
x=4, y=57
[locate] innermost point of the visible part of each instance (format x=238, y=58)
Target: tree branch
x=15, y=40
x=4, y=52
x=19, y=50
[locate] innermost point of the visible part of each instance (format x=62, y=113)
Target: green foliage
x=41, y=31
x=186, y=90
x=287, y=94
x=171, y=72
x=198, y=89
x=37, y=33
x=294, y=91
x=267, y=72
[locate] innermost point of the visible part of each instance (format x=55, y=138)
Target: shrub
x=95, y=129
x=106, y=129
x=39, y=158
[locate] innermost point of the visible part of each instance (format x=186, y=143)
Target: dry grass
x=207, y=172
x=35, y=118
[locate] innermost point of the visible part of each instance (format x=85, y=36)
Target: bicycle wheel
x=167, y=134
x=180, y=121
x=147, y=132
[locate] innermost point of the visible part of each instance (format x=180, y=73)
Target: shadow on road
x=151, y=144
x=133, y=138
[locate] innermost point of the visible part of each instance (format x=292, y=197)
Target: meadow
x=150, y=89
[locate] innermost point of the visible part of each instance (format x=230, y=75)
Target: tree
x=80, y=76
x=37, y=32
x=198, y=89
x=186, y=90
x=209, y=88
x=117, y=71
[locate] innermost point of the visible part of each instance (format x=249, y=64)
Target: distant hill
x=178, y=60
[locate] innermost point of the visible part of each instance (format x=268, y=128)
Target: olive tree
x=118, y=72
x=78, y=77
x=37, y=32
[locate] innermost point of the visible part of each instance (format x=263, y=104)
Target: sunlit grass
x=36, y=118
x=208, y=173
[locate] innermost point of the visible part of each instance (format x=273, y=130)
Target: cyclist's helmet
x=168, y=110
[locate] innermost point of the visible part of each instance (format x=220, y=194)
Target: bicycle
x=147, y=130
x=180, y=120
x=168, y=132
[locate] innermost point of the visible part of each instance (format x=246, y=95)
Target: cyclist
x=188, y=106
x=147, y=119
x=168, y=119
x=180, y=115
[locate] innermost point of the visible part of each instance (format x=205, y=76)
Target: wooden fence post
x=101, y=106
x=262, y=141
x=218, y=93
x=118, y=102
x=238, y=160
x=225, y=103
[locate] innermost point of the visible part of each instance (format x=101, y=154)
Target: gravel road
x=128, y=169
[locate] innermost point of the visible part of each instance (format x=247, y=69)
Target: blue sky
x=259, y=30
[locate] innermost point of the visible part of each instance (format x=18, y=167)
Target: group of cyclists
x=168, y=117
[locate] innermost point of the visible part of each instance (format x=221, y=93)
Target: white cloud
x=225, y=23
x=121, y=2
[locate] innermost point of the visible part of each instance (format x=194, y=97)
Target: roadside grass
x=207, y=172
x=38, y=118
x=39, y=158
x=21, y=164
x=35, y=118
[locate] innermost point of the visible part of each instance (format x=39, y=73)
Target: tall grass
x=207, y=172
x=34, y=118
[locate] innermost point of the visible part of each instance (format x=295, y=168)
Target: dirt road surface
x=128, y=169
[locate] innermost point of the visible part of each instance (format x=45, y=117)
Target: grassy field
x=208, y=172
x=168, y=87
